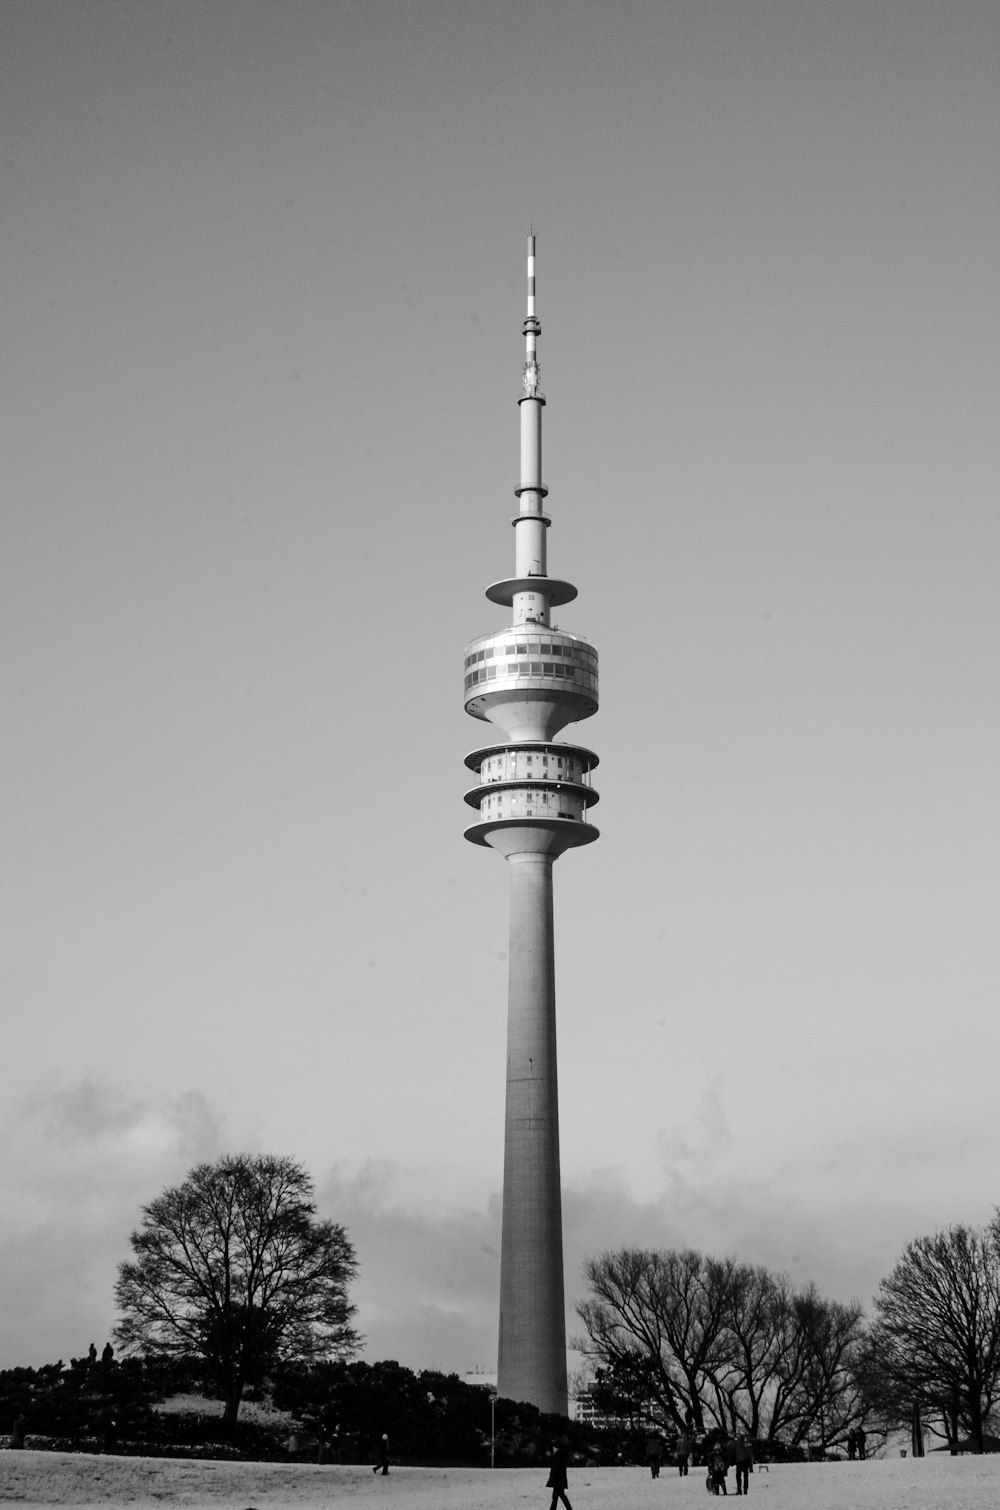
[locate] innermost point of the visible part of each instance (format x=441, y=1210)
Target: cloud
x=428, y=1271
x=76, y=1166
x=692, y=1155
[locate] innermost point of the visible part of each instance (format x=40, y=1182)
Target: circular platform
x=557, y=591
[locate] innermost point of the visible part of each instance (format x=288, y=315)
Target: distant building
x=635, y=1415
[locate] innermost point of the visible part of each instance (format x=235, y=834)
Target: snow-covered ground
x=934, y=1483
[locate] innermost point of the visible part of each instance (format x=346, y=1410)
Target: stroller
x=715, y=1480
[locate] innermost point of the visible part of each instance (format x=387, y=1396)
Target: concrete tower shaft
x=532, y=803
x=531, y=1361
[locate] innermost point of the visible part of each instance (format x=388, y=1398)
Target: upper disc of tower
x=554, y=591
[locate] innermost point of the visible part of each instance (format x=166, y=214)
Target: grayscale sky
x=262, y=274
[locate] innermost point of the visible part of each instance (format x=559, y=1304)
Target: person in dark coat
x=556, y=1480
x=654, y=1455
x=383, y=1455
x=743, y=1458
x=683, y=1453
x=718, y=1467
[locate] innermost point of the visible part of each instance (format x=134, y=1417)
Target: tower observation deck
x=532, y=802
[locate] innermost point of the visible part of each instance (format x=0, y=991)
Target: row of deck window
x=536, y=800
x=583, y=675
x=509, y=766
x=576, y=651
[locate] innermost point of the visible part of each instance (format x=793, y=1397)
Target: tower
x=531, y=802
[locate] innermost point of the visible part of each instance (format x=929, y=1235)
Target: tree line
x=716, y=1345
x=235, y=1284
x=333, y=1412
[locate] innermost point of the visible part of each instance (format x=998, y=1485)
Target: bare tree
x=936, y=1338
x=719, y=1343
x=660, y=1316
x=745, y=1385
x=818, y=1374
x=232, y=1267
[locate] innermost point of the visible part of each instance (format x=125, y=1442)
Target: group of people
x=856, y=1441
x=724, y=1451
x=719, y=1453
x=681, y=1454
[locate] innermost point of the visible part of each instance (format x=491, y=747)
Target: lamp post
x=493, y=1430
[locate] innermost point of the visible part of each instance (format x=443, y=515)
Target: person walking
x=654, y=1455
x=743, y=1459
x=556, y=1480
x=682, y=1453
x=383, y=1455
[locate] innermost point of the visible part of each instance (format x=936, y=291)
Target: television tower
x=532, y=801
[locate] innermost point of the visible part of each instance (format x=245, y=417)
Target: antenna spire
x=532, y=330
